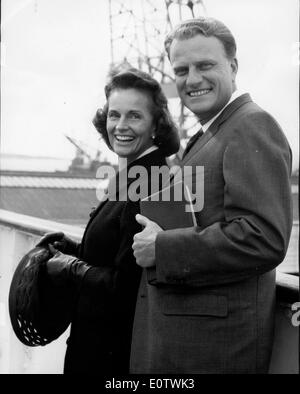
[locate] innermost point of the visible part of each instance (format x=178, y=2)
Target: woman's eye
x=112, y=115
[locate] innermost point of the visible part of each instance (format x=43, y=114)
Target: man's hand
x=144, y=242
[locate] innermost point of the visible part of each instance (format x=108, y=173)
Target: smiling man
x=205, y=75
x=206, y=301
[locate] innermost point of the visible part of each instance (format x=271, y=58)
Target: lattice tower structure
x=137, y=32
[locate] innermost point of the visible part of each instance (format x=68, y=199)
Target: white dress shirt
x=235, y=95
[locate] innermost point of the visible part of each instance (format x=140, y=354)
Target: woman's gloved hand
x=61, y=242
x=63, y=268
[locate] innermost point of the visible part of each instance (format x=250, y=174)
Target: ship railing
x=19, y=233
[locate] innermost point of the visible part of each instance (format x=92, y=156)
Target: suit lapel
x=214, y=128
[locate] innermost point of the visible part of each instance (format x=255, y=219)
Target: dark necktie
x=192, y=141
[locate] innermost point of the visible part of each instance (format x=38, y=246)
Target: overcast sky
x=55, y=55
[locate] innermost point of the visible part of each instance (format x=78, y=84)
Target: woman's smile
x=124, y=138
x=130, y=122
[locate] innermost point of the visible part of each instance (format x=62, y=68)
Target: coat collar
x=214, y=127
x=154, y=158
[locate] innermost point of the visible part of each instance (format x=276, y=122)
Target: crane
x=78, y=163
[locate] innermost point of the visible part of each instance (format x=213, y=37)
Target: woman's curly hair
x=166, y=133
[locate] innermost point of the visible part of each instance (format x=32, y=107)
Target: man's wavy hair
x=208, y=27
x=166, y=133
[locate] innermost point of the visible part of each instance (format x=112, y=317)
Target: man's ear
x=234, y=66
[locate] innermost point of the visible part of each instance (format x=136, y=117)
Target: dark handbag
x=39, y=310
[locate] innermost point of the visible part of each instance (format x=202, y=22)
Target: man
x=206, y=301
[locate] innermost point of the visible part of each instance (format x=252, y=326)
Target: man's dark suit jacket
x=208, y=306
x=101, y=328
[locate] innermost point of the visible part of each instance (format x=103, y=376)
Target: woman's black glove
x=63, y=268
x=61, y=242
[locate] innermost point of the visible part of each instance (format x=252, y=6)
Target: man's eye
x=180, y=72
x=205, y=66
x=135, y=116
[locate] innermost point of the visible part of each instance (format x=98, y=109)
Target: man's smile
x=199, y=92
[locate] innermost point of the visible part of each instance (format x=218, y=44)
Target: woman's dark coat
x=101, y=328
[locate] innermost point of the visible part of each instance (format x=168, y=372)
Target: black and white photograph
x=149, y=174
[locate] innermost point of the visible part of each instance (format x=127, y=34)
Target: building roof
x=62, y=197
x=70, y=206
x=52, y=182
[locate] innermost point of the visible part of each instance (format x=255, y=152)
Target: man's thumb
x=143, y=220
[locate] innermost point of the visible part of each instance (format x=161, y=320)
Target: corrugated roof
x=52, y=182
x=71, y=206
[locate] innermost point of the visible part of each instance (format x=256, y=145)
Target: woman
x=136, y=124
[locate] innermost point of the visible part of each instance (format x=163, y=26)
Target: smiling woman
x=101, y=326
x=130, y=122
x=136, y=116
